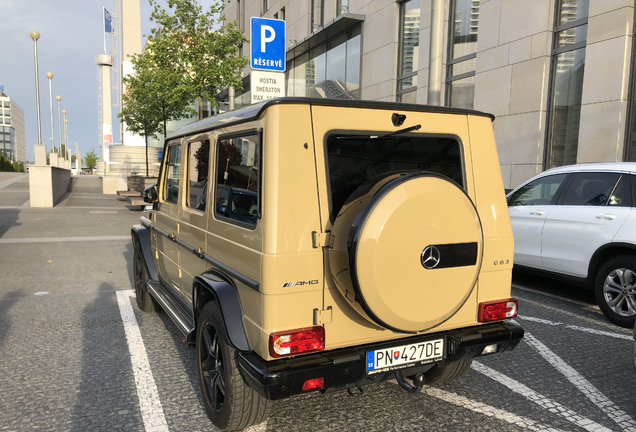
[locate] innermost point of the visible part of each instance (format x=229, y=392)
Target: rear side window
x=538, y=192
x=172, y=176
x=355, y=159
x=238, y=179
x=596, y=189
x=197, y=178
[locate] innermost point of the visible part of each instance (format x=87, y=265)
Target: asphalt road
x=77, y=355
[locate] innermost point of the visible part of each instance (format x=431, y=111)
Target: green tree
x=90, y=158
x=201, y=47
x=142, y=99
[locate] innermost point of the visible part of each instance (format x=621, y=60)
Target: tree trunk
x=200, y=100
x=147, y=175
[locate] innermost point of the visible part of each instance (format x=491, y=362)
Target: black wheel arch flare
x=214, y=286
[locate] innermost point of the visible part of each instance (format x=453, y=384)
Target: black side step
x=182, y=317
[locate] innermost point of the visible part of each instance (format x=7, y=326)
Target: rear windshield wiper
x=375, y=137
x=398, y=132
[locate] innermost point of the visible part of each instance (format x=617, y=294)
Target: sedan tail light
x=498, y=310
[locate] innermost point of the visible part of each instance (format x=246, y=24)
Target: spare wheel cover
x=415, y=252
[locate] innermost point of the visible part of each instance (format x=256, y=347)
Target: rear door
x=529, y=206
x=587, y=216
x=193, y=215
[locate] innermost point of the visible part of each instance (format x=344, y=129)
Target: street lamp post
x=66, y=133
x=49, y=75
x=66, y=137
x=58, y=98
x=35, y=35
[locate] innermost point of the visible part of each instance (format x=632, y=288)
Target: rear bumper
x=283, y=378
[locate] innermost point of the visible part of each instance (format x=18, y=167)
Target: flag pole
x=104, y=24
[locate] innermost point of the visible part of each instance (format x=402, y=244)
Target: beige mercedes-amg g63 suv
x=310, y=244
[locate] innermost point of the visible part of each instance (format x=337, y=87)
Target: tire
x=145, y=301
x=443, y=374
x=615, y=290
x=229, y=402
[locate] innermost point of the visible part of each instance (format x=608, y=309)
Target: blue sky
x=71, y=35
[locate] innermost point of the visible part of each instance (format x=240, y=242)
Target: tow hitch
x=415, y=387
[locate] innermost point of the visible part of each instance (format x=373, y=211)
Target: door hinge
x=320, y=239
x=322, y=316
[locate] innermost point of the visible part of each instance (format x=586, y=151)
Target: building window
x=342, y=7
x=265, y=5
x=630, y=145
x=462, y=53
x=239, y=15
x=317, y=14
x=409, y=47
x=282, y=14
x=330, y=69
x=566, y=82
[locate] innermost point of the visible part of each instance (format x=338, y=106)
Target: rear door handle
x=606, y=216
x=537, y=212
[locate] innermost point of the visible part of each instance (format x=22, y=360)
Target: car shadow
x=8, y=219
x=6, y=303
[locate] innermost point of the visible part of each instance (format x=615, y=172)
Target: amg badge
x=291, y=284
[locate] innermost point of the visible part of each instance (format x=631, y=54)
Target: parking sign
x=268, y=44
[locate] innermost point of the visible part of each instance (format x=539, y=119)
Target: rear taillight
x=297, y=341
x=498, y=310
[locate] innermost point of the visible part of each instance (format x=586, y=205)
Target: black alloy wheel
x=145, y=302
x=229, y=402
x=213, y=375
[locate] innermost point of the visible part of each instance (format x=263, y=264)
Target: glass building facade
x=463, y=27
x=566, y=78
x=327, y=68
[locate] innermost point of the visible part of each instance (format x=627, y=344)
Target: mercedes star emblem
x=430, y=257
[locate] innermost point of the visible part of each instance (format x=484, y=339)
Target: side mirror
x=150, y=194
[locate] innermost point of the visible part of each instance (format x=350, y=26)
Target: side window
x=591, y=188
x=538, y=192
x=238, y=179
x=173, y=169
x=621, y=196
x=198, y=165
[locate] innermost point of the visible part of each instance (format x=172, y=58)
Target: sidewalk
x=85, y=191
x=84, y=211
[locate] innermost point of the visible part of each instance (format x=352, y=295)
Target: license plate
x=388, y=359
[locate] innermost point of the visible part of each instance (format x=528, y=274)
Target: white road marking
x=487, y=410
x=578, y=328
x=539, y=399
x=149, y=403
x=554, y=296
x=616, y=414
x=63, y=239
